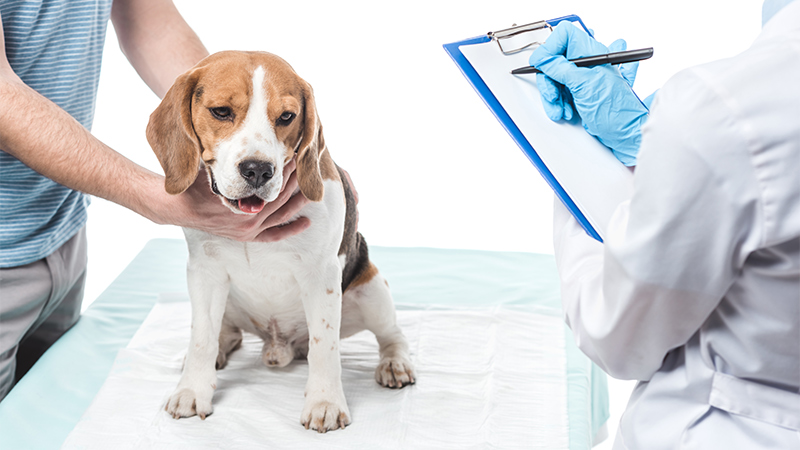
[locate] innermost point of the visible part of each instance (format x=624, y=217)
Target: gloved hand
x=600, y=95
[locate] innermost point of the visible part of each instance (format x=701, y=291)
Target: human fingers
x=288, y=170
x=628, y=70
x=277, y=233
x=556, y=105
x=277, y=225
x=288, y=210
x=565, y=42
x=569, y=41
x=274, y=226
x=618, y=46
x=550, y=58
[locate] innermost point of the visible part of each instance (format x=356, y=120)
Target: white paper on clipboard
x=587, y=170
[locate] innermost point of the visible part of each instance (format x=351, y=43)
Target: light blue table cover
x=46, y=404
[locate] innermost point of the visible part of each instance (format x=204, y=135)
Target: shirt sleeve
x=675, y=248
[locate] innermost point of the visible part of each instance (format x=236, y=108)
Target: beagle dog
x=244, y=115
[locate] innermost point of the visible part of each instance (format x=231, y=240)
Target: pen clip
x=516, y=30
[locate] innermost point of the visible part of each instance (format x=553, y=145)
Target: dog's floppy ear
x=171, y=134
x=311, y=145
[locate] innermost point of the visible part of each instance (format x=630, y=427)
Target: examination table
x=496, y=367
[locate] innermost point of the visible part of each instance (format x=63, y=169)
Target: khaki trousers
x=38, y=303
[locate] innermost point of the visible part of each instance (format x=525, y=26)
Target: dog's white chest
x=265, y=283
x=265, y=296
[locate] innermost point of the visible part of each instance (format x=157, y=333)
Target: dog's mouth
x=249, y=205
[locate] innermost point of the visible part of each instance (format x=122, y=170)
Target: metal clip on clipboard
x=513, y=37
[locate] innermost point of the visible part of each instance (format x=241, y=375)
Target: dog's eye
x=286, y=118
x=221, y=113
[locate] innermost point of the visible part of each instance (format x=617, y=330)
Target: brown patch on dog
x=311, y=151
x=328, y=326
x=365, y=276
x=329, y=291
x=316, y=340
x=171, y=135
x=327, y=168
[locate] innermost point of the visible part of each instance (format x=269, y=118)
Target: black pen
x=589, y=61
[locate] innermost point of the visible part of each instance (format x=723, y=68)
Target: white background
x=431, y=164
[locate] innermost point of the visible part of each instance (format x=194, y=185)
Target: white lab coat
x=696, y=291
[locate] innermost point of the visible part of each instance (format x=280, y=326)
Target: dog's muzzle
x=256, y=172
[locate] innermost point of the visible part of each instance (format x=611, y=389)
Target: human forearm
x=51, y=142
x=158, y=43
x=44, y=137
x=624, y=324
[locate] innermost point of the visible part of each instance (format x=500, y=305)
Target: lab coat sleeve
x=675, y=248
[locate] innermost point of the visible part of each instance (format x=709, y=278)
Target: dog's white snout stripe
x=251, y=160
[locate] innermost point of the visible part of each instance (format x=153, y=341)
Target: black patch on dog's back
x=353, y=246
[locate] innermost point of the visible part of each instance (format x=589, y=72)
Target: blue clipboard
x=454, y=50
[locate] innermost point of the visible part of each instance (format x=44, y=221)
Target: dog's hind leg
x=230, y=339
x=374, y=300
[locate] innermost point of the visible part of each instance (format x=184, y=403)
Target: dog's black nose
x=257, y=173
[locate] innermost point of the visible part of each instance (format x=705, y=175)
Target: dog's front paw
x=186, y=402
x=323, y=416
x=395, y=373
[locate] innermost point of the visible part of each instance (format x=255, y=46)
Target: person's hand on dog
x=200, y=209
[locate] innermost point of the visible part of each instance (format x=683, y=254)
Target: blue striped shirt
x=55, y=47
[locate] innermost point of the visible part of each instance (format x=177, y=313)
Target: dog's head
x=244, y=115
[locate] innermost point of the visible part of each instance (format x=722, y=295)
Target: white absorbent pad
x=487, y=378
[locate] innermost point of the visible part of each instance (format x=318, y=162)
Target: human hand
x=200, y=209
x=600, y=95
x=556, y=98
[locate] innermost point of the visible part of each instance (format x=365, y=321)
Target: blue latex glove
x=649, y=99
x=557, y=100
x=600, y=95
